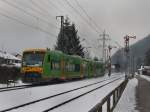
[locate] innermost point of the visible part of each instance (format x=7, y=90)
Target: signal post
x=127, y=52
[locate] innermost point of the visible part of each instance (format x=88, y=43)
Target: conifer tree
x=68, y=41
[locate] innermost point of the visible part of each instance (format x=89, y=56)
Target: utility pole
x=104, y=39
x=109, y=58
x=62, y=28
x=127, y=49
x=62, y=20
x=62, y=36
x=62, y=24
x=106, y=55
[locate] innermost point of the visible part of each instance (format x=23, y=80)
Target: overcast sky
x=32, y=23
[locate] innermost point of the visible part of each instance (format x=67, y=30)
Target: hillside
x=137, y=50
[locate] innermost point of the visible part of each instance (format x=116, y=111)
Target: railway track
x=20, y=87
x=14, y=88
x=96, y=84
x=4, y=89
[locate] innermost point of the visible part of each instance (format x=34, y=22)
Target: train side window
x=55, y=65
x=48, y=58
x=51, y=65
x=66, y=66
x=77, y=67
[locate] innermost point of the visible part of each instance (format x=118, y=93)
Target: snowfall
x=127, y=102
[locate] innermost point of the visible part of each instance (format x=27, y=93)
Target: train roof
x=31, y=50
x=56, y=51
x=55, y=54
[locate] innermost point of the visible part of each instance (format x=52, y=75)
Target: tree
x=68, y=41
x=147, y=58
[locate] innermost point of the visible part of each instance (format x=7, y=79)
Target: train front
x=32, y=62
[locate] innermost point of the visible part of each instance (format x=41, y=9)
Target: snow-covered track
x=63, y=93
x=4, y=89
x=15, y=88
x=67, y=101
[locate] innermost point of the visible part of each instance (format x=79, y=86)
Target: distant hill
x=137, y=50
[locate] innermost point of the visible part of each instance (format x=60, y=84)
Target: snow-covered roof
x=8, y=56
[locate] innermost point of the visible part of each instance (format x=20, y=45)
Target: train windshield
x=33, y=58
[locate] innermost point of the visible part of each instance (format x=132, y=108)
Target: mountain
x=137, y=51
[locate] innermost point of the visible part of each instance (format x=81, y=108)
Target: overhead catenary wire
x=38, y=18
x=88, y=16
x=54, y=5
x=39, y=7
x=63, y=4
x=81, y=16
x=28, y=13
x=28, y=25
x=40, y=12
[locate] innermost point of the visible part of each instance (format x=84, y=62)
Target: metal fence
x=111, y=99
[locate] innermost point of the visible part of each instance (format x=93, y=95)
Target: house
x=9, y=60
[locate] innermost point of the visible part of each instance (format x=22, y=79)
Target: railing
x=111, y=99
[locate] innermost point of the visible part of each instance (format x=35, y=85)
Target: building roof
x=6, y=55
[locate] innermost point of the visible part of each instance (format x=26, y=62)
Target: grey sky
x=118, y=17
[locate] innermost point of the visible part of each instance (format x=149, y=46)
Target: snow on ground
x=13, y=98
x=145, y=77
x=41, y=106
x=127, y=102
x=87, y=102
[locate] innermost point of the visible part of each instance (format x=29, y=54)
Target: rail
x=111, y=99
x=65, y=92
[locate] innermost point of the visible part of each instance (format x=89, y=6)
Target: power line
x=33, y=27
x=39, y=12
x=39, y=7
x=91, y=18
x=81, y=16
x=85, y=12
x=61, y=3
x=28, y=13
x=54, y=5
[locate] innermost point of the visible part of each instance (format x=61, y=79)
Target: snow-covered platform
x=82, y=104
x=136, y=96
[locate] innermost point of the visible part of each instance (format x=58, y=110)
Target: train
x=39, y=65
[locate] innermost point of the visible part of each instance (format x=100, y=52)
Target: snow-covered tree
x=68, y=41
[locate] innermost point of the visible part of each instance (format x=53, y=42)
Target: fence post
x=114, y=98
x=108, y=104
x=117, y=94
